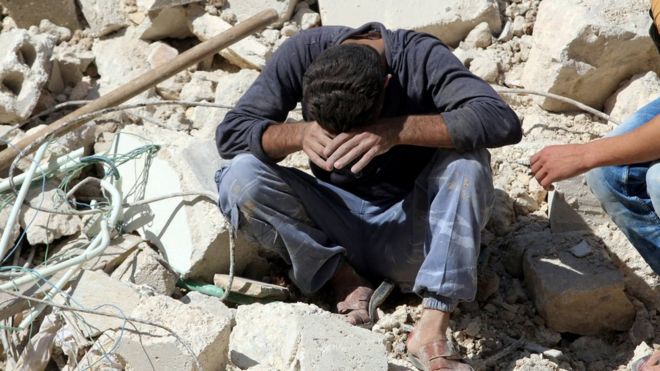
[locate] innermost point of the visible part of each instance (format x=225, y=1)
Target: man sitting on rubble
x=396, y=133
x=624, y=174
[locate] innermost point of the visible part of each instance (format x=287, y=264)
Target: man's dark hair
x=344, y=87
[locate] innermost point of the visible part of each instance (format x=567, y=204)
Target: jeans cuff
x=438, y=302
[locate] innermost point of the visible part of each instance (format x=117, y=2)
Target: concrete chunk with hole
x=24, y=68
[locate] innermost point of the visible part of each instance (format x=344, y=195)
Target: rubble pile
x=560, y=287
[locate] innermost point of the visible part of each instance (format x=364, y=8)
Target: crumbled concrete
x=282, y=336
x=96, y=290
x=44, y=228
x=572, y=207
x=31, y=13
x=247, y=53
x=568, y=292
x=582, y=50
x=193, y=239
x=145, y=267
x=148, y=348
x=199, y=88
x=244, y=9
x=449, y=20
x=169, y=22
x=633, y=95
x=120, y=59
x=307, y=18
x=485, y=68
x=479, y=37
x=103, y=16
x=211, y=304
x=230, y=88
x=24, y=68
x=113, y=255
x=69, y=66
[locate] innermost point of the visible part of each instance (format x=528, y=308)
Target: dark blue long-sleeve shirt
x=426, y=79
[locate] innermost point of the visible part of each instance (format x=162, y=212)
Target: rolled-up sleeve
x=268, y=100
x=475, y=115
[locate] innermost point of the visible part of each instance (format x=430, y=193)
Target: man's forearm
x=280, y=140
x=639, y=145
x=422, y=130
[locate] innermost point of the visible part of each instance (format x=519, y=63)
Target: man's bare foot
x=428, y=348
x=353, y=293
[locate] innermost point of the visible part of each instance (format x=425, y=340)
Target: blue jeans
x=630, y=194
x=428, y=242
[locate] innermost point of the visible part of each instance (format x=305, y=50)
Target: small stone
x=479, y=37
x=582, y=249
x=486, y=68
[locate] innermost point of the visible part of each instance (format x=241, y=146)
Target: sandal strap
x=437, y=349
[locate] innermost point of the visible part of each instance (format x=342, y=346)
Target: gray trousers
x=428, y=242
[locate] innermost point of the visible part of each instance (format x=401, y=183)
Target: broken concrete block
x=120, y=59
x=24, y=68
x=30, y=13
x=479, y=37
x=113, y=255
x=244, y=9
x=230, y=88
x=160, y=54
x=60, y=33
x=44, y=228
x=165, y=23
x=633, y=95
x=149, y=348
x=572, y=207
x=103, y=16
x=198, y=89
x=69, y=64
x=449, y=20
x=486, y=68
x=189, y=232
x=307, y=18
x=583, y=50
x=145, y=267
x=211, y=304
x=284, y=336
x=581, y=250
x=251, y=288
x=247, y=53
x=579, y=295
x=96, y=289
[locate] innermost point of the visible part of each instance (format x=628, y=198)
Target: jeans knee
x=603, y=184
x=241, y=183
x=653, y=183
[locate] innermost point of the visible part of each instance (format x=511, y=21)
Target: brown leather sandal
x=437, y=355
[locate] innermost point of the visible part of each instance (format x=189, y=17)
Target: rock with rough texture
x=579, y=295
x=69, y=64
x=145, y=267
x=169, y=22
x=94, y=289
x=584, y=49
x=148, y=348
x=244, y=9
x=24, y=68
x=189, y=231
x=572, y=207
x=479, y=37
x=198, y=89
x=230, y=88
x=633, y=95
x=449, y=20
x=113, y=255
x=307, y=18
x=120, y=59
x=103, y=16
x=285, y=336
x=44, y=228
x=30, y=13
x=211, y=304
x=486, y=68
x=247, y=53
